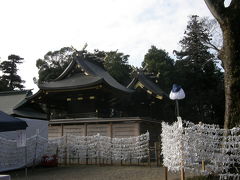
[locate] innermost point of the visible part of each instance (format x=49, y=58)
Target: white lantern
x=176, y=93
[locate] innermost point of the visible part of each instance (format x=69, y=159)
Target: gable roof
x=26, y=109
x=145, y=83
x=9, y=99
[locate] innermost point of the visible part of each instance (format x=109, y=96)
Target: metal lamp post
x=176, y=94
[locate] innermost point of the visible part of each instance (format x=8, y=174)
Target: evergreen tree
x=158, y=62
x=159, y=67
x=194, y=53
x=4, y=85
x=199, y=76
x=116, y=64
x=54, y=63
x=10, y=80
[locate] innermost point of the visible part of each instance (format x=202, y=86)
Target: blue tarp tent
x=9, y=123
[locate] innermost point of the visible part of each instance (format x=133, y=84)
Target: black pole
x=177, y=108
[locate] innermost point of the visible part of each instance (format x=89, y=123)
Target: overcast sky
x=31, y=28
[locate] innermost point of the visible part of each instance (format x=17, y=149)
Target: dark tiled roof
x=94, y=74
x=75, y=81
x=25, y=108
x=28, y=112
x=147, y=83
x=94, y=69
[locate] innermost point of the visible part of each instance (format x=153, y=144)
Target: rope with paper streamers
x=13, y=157
x=191, y=144
x=98, y=146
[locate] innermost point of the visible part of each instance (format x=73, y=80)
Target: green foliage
x=53, y=64
x=10, y=80
x=117, y=65
x=195, y=52
x=4, y=85
x=201, y=79
x=158, y=62
x=159, y=67
x=195, y=70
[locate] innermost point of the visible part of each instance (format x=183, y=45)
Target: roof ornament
x=85, y=46
x=145, y=67
x=77, y=52
x=106, y=56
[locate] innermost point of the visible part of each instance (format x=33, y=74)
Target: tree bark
x=228, y=18
x=231, y=60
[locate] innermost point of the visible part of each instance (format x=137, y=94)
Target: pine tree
x=199, y=75
x=158, y=62
x=195, y=53
x=10, y=80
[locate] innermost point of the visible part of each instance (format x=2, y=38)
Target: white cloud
x=31, y=28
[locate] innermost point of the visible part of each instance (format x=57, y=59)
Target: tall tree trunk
x=231, y=59
x=228, y=18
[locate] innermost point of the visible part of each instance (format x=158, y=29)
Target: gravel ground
x=92, y=172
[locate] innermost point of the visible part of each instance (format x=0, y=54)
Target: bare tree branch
x=217, y=8
x=210, y=45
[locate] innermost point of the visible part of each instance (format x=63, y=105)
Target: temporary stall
x=9, y=123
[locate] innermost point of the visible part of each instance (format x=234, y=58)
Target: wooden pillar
x=182, y=171
x=149, y=158
x=58, y=160
x=165, y=173
x=182, y=174
x=85, y=134
x=66, y=153
x=130, y=159
x=156, y=152
x=111, y=135
x=203, y=165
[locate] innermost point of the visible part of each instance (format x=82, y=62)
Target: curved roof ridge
x=150, y=85
x=96, y=70
x=147, y=83
x=132, y=83
x=66, y=71
x=75, y=81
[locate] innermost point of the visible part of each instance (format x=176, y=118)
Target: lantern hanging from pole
x=176, y=94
